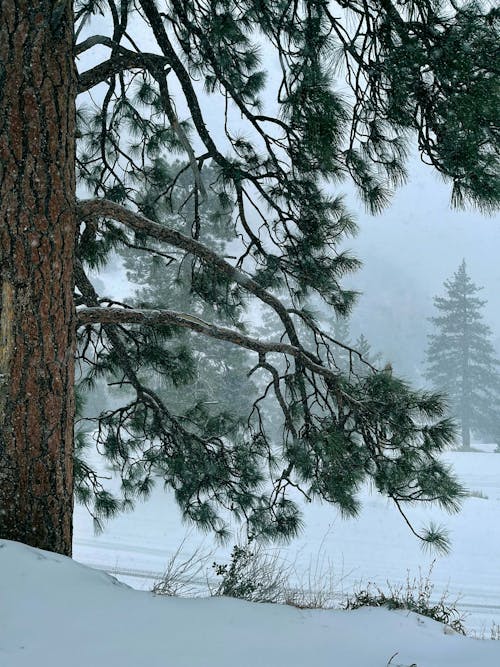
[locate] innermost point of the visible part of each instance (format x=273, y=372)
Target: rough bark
x=37, y=239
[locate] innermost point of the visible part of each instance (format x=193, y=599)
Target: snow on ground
x=375, y=547
x=55, y=612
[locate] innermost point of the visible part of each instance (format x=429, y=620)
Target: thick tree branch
x=187, y=321
x=126, y=60
x=94, y=40
x=92, y=208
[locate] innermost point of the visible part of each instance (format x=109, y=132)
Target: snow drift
x=56, y=612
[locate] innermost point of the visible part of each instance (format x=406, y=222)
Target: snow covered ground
x=376, y=547
x=55, y=612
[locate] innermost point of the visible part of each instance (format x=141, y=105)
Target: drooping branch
x=171, y=114
x=155, y=19
x=153, y=15
x=124, y=59
x=147, y=395
x=187, y=321
x=91, y=298
x=93, y=208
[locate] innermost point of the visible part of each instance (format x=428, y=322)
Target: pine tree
x=341, y=332
x=362, y=345
x=352, y=357
x=269, y=155
x=217, y=384
x=461, y=359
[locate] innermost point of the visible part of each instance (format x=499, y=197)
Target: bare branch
x=92, y=41
x=126, y=60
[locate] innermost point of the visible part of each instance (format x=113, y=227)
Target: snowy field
x=377, y=547
x=55, y=612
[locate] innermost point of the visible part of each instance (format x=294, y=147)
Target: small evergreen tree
x=364, y=348
x=215, y=382
x=461, y=359
x=356, y=357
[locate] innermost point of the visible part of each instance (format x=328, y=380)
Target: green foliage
x=88, y=485
x=433, y=73
x=391, y=435
x=415, y=595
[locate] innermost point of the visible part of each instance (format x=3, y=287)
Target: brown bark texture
x=37, y=239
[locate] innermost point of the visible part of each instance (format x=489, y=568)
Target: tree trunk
x=465, y=410
x=465, y=436
x=37, y=240
x=465, y=403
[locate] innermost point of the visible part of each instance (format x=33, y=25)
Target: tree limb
x=187, y=321
x=127, y=60
x=93, y=40
x=91, y=208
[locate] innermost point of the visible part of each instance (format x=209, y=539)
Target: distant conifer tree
x=461, y=359
x=364, y=348
x=216, y=387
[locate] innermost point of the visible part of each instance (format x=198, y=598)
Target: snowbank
x=375, y=546
x=56, y=612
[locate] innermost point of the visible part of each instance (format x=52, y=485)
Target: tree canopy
x=268, y=105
